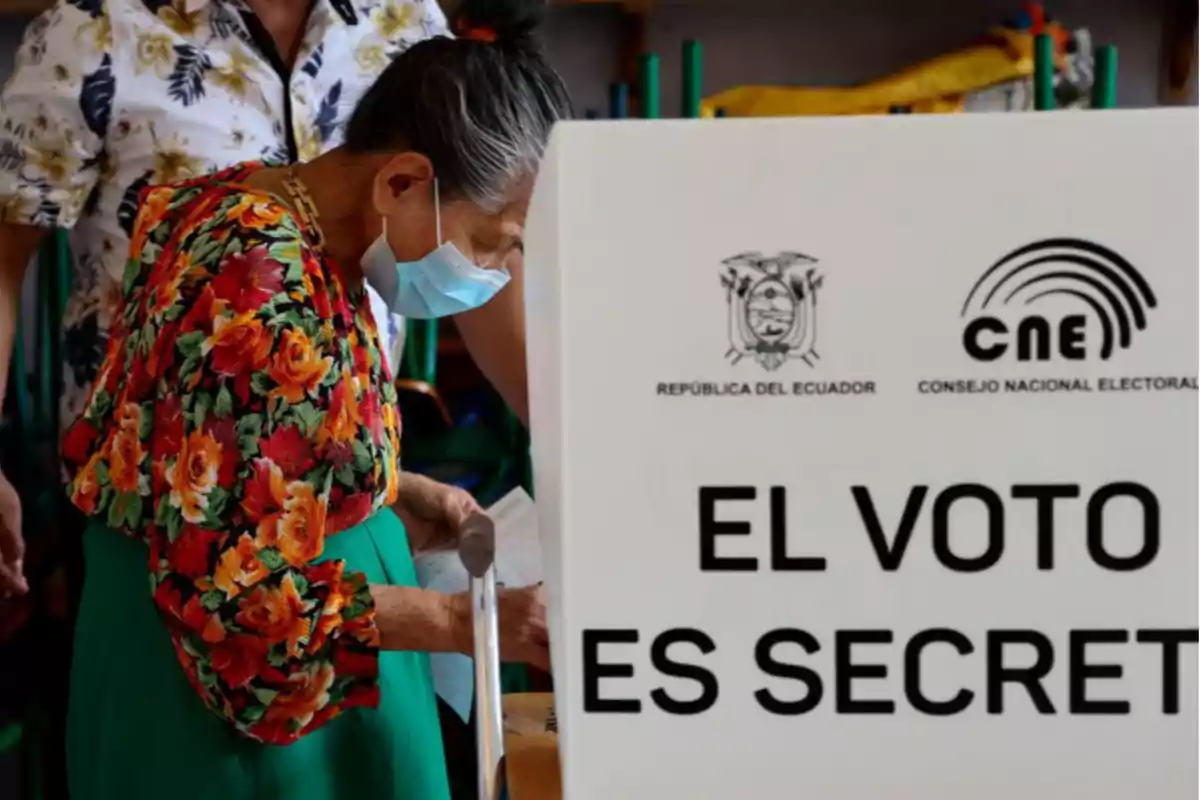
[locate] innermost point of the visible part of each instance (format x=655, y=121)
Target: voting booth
x=866, y=455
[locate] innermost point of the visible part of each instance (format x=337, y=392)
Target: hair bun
x=511, y=22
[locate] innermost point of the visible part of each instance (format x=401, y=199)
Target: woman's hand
x=12, y=545
x=455, y=505
x=524, y=637
x=432, y=512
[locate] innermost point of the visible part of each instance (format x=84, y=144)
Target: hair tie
x=476, y=33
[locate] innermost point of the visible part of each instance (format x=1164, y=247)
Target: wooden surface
x=531, y=747
x=1178, y=52
x=24, y=7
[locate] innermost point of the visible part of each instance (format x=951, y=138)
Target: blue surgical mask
x=441, y=284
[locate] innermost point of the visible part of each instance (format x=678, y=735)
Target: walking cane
x=477, y=549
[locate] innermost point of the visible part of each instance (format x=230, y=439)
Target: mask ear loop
x=437, y=212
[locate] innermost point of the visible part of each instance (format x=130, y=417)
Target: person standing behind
x=111, y=96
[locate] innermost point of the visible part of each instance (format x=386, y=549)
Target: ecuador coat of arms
x=772, y=307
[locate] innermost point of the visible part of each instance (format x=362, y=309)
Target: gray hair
x=480, y=110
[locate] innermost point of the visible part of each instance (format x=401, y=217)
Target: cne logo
x=1110, y=295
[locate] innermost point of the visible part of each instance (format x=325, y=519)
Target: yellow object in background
x=939, y=85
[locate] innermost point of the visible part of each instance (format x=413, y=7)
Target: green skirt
x=136, y=729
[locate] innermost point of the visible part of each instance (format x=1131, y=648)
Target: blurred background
x=812, y=42
x=841, y=42
x=633, y=58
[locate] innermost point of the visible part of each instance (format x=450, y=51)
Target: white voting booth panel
x=879, y=436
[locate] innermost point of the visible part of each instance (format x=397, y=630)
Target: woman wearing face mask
x=241, y=446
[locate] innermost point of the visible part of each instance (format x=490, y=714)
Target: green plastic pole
x=19, y=377
x=1104, y=86
x=692, y=81
x=46, y=401
x=408, y=362
x=60, y=285
x=431, y=352
x=650, y=97
x=618, y=101
x=420, y=350
x=1043, y=73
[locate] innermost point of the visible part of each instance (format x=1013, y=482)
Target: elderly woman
x=241, y=445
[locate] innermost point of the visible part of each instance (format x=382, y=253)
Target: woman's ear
x=403, y=176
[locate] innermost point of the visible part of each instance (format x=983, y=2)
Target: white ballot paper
x=518, y=564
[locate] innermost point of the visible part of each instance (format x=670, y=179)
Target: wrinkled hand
x=12, y=544
x=433, y=512
x=524, y=637
x=455, y=505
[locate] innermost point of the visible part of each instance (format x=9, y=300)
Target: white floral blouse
x=110, y=96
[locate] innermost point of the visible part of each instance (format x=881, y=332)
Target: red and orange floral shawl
x=242, y=414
